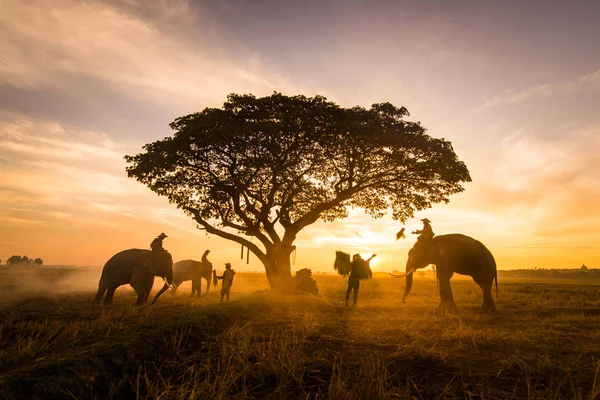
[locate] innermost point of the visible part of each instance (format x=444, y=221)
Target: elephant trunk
x=161, y=291
x=409, y=281
x=169, y=276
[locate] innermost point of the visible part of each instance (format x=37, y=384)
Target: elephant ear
x=154, y=262
x=435, y=251
x=150, y=263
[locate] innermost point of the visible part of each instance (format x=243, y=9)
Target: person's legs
x=356, y=287
x=348, y=291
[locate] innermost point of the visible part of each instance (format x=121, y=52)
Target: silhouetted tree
x=18, y=260
x=38, y=262
x=268, y=167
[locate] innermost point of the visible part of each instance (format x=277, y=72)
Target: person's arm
x=373, y=256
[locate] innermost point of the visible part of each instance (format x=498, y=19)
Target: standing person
x=227, y=278
x=157, y=243
x=360, y=269
x=425, y=233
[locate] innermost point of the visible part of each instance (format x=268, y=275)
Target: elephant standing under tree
x=454, y=253
x=190, y=270
x=138, y=268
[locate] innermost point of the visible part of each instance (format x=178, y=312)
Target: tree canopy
x=268, y=167
x=24, y=260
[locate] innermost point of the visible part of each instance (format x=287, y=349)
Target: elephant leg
x=142, y=295
x=140, y=290
x=110, y=293
x=193, y=288
x=486, y=288
x=446, y=298
x=207, y=284
x=199, y=287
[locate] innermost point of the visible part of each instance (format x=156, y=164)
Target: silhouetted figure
x=427, y=232
x=157, y=243
x=359, y=270
x=205, y=257
x=400, y=234
x=215, y=278
x=227, y=278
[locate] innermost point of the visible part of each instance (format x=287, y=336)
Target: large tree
x=267, y=167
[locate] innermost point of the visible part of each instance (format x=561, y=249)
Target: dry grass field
x=543, y=344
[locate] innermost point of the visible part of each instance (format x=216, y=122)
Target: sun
x=373, y=261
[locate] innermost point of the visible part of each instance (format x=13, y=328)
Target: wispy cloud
x=511, y=96
x=45, y=44
x=59, y=182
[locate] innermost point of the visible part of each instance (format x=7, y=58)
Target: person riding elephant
x=453, y=253
x=137, y=267
x=157, y=243
x=427, y=232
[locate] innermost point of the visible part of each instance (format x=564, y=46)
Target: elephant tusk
x=403, y=275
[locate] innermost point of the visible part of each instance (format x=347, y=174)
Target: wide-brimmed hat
x=227, y=265
x=426, y=220
x=162, y=235
x=355, y=257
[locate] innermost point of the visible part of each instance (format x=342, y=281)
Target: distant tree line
x=24, y=261
x=575, y=273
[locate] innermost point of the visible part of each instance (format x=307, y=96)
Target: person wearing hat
x=157, y=243
x=227, y=278
x=425, y=233
x=358, y=267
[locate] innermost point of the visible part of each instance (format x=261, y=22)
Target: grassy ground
x=543, y=344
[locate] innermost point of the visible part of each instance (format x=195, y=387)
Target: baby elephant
x=190, y=270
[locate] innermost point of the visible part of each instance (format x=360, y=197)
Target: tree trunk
x=278, y=268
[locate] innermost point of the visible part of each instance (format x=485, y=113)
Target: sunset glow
x=84, y=83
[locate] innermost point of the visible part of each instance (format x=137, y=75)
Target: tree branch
x=226, y=235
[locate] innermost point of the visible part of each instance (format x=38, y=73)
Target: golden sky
x=513, y=85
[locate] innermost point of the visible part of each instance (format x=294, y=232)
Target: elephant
x=453, y=253
x=191, y=270
x=138, y=268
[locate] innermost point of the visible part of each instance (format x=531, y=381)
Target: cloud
x=65, y=196
x=48, y=168
x=512, y=96
x=130, y=46
x=541, y=188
